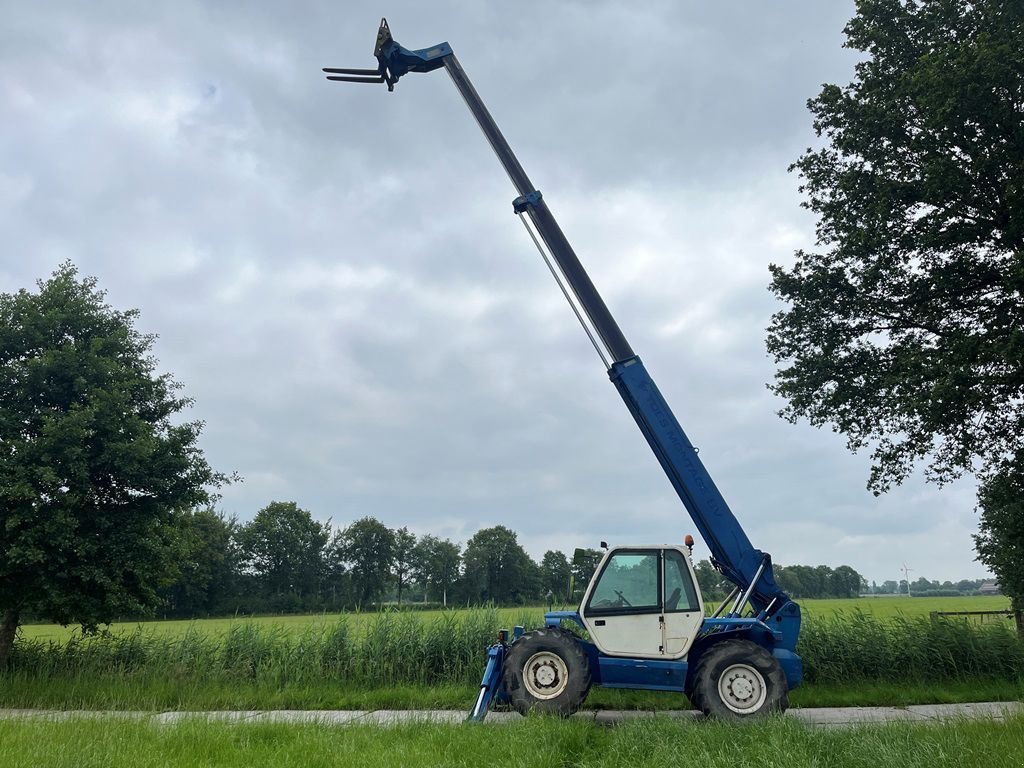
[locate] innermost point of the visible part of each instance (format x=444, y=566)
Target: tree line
x=284, y=560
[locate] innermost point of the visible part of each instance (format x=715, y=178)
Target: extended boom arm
x=748, y=568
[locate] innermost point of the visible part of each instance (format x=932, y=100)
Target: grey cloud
x=337, y=277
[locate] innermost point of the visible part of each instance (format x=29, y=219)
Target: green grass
x=155, y=693
x=533, y=742
x=407, y=660
x=287, y=624
x=852, y=656
x=882, y=607
x=891, y=607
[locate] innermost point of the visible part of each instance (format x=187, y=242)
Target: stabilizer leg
x=491, y=683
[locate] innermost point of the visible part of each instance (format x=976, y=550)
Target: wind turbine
x=906, y=576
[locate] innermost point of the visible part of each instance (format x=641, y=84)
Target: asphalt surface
x=817, y=716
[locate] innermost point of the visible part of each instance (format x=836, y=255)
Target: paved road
x=818, y=716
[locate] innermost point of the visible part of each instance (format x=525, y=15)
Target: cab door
x=622, y=607
x=683, y=609
x=644, y=603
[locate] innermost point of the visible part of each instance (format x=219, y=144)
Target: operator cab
x=643, y=602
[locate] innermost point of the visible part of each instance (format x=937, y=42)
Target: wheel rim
x=545, y=675
x=742, y=689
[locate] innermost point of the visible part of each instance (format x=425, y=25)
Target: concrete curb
x=819, y=716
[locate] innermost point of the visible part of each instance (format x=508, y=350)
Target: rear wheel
x=737, y=680
x=547, y=671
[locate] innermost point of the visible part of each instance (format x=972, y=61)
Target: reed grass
x=259, y=665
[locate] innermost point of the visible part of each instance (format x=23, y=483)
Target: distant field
x=289, y=624
x=886, y=607
x=882, y=607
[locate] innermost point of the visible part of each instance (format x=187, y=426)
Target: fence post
x=1018, y=618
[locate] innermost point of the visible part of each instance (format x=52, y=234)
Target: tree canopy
x=904, y=331
x=497, y=568
x=94, y=463
x=284, y=546
x=367, y=548
x=1000, y=542
x=436, y=564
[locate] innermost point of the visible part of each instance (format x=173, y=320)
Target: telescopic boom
x=749, y=569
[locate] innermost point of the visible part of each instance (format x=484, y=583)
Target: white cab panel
x=643, y=602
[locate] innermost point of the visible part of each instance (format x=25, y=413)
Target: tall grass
x=282, y=668
x=392, y=648
x=858, y=646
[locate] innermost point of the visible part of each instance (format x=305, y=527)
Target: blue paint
x=645, y=674
x=523, y=202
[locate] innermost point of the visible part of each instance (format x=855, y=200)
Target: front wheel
x=547, y=671
x=737, y=680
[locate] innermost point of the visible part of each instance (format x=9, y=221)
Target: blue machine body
x=774, y=621
x=673, y=675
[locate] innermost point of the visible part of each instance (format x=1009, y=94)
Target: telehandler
x=642, y=622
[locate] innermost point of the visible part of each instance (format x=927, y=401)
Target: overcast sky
x=337, y=278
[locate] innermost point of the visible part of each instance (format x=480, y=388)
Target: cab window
x=629, y=583
x=680, y=594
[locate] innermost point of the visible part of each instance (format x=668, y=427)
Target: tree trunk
x=1018, y=616
x=8, y=628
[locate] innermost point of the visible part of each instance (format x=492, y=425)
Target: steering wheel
x=623, y=598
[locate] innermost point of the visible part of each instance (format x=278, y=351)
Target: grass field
x=882, y=607
x=533, y=742
x=434, y=659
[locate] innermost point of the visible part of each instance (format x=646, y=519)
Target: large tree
x=904, y=329
x=283, y=547
x=367, y=549
x=584, y=563
x=206, y=563
x=1001, y=540
x=556, y=575
x=404, y=560
x=497, y=569
x=95, y=460
x=436, y=564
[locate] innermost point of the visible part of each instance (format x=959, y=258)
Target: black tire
x=739, y=680
x=547, y=671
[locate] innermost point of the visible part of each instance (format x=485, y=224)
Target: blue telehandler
x=642, y=622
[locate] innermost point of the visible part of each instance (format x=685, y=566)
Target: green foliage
x=404, y=558
x=94, y=466
x=820, y=581
x=848, y=647
x=646, y=742
x=714, y=586
x=584, y=563
x=497, y=569
x=283, y=548
x=436, y=564
x=206, y=561
x=904, y=333
x=447, y=648
x=555, y=575
x=367, y=549
x=388, y=648
x=1001, y=539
